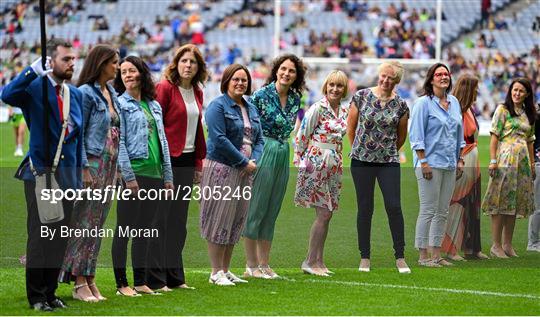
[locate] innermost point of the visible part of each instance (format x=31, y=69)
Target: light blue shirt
x=437, y=131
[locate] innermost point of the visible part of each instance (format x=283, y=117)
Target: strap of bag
x=65, y=110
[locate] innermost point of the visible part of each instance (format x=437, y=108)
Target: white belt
x=327, y=146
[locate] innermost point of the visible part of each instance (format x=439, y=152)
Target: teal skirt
x=268, y=191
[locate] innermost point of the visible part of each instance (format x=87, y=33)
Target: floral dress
x=510, y=190
x=81, y=254
x=318, y=154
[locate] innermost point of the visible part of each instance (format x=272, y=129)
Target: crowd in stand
x=397, y=36
x=494, y=69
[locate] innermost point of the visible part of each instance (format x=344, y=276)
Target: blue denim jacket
x=134, y=136
x=225, y=132
x=96, y=119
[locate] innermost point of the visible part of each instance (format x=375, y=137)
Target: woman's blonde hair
x=396, y=66
x=339, y=77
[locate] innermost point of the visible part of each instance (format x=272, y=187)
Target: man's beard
x=63, y=75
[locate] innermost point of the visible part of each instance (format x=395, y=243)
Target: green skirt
x=268, y=191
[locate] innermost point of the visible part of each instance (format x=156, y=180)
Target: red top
x=175, y=120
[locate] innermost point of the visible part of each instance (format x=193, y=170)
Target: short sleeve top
x=376, y=133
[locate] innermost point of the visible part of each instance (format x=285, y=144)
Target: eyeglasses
x=445, y=74
x=239, y=80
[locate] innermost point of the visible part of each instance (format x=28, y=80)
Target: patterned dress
x=82, y=252
x=463, y=224
x=510, y=190
x=319, y=175
x=222, y=220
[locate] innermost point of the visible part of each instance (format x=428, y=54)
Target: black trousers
x=135, y=214
x=44, y=255
x=172, y=243
x=388, y=176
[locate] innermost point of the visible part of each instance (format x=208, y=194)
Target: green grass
x=446, y=291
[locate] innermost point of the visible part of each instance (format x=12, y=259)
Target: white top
x=192, y=111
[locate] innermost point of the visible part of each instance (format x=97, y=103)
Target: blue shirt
x=226, y=132
x=437, y=131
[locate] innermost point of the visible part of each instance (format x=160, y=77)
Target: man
x=44, y=253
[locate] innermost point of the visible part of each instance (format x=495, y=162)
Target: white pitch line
x=447, y=290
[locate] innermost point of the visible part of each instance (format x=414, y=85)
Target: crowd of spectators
x=397, y=36
x=494, y=69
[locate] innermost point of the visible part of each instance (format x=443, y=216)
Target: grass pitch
x=490, y=287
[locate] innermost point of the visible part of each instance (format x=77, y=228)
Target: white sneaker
x=220, y=279
x=233, y=278
x=18, y=152
x=534, y=248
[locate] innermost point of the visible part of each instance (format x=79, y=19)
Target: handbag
x=51, y=211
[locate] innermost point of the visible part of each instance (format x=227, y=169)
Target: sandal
x=428, y=263
x=147, y=292
x=442, y=262
x=119, y=293
x=75, y=294
x=93, y=286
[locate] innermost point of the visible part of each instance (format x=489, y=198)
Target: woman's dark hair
x=97, y=58
x=528, y=103
x=427, y=88
x=228, y=74
x=171, y=71
x=148, y=90
x=300, y=82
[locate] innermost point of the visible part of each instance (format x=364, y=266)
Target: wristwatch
x=493, y=161
x=422, y=161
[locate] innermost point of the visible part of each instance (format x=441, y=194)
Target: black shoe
x=41, y=306
x=57, y=303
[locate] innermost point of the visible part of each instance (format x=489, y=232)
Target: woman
x=463, y=226
x=145, y=164
x=278, y=103
x=181, y=99
x=533, y=243
x=318, y=153
x=377, y=128
x=511, y=168
x=235, y=145
x=102, y=126
x=436, y=137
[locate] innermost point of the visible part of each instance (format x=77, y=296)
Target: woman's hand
x=426, y=171
x=197, y=177
x=133, y=186
x=249, y=169
x=88, y=181
x=493, y=169
x=169, y=185
x=459, y=169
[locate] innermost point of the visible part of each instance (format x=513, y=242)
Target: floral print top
x=376, y=133
x=320, y=124
x=510, y=129
x=277, y=123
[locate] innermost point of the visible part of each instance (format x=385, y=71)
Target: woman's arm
x=307, y=126
x=493, y=145
x=402, y=131
x=352, y=122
